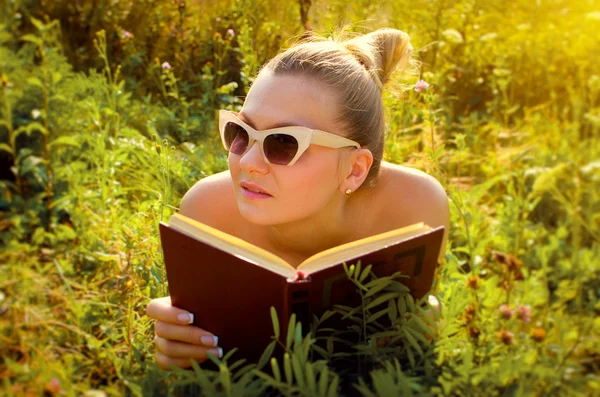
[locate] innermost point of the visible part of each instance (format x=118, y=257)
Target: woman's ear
x=359, y=161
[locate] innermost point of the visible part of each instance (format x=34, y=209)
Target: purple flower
x=166, y=66
x=421, y=85
x=127, y=35
x=231, y=32
x=524, y=313
x=506, y=312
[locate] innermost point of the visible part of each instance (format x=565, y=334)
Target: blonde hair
x=357, y=69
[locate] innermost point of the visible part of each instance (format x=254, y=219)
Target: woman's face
x=298, y=191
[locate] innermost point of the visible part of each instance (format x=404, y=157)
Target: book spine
x=297, y=300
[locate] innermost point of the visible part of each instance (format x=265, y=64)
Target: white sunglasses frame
x=304, y=135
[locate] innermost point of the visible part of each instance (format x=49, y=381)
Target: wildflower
x=166, y=66
x=505, y=336
x=53, y=386
x=35, y=113
x=519, y=276
x=524, y=313
x=469, y=314
x=5, y=82
x=538, y=334
x=421, y=85
x=513, y=262
x=473, y=332
x=506, y=312
x=217, y=35
x=127, y=35
x=231, y=32
x=473, y=282
x=499, y=257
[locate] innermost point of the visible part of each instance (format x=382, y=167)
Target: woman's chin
x=258, y=216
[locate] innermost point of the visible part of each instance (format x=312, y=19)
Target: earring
x=348, y=192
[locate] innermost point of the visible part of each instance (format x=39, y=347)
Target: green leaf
x=6, y=148
x=402, y=306
x=56, y=77
x=375, y=316
x=392, y=310
x=37, y=23
x=381, y=284
x=36, y=126
x=321, y=351
x=365, y=273
x=35, y=81
x=290, y=331
x=298, y=334
x=66, y=141
x=411, y=357
x=357, y=270
x=333, y=387
x=275, y=368
x=264, y=358
x=33, y=39
x=202, y=379
x=417, y=334
x=383, y=298
x=287, y=367
x=413, y=342
x=275, y=322
x=323, y=380
x=423, y=326
x=410, y=302
x=310, y=378
x=298, y=371
x=225, y=378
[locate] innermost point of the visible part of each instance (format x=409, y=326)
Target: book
x=229, y=284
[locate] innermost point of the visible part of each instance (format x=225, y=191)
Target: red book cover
x=231, y=294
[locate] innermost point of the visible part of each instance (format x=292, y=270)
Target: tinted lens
x=236, y=138
x=280, y=148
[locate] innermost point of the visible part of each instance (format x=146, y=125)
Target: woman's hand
x=177, y=342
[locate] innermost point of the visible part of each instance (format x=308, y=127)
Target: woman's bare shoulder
x=211, y=201
x=412, y=194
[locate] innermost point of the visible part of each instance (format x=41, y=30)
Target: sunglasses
x=282, y=146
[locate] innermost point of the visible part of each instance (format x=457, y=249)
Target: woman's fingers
x=174, y=349
x=161, y=309
x=165, y=361
x=185, y=333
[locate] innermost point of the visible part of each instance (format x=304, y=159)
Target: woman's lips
x=254, y=195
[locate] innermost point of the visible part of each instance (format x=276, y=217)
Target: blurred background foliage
x=108, y=115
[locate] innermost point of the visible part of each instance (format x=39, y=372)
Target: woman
x=296, y=203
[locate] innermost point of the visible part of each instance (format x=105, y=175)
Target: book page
x=231, y=244
x=341, y=253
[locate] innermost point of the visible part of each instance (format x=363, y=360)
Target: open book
x=230, y=284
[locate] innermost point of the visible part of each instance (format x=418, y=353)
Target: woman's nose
x=253, y=159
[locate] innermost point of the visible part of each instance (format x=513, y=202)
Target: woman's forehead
x=275, y=101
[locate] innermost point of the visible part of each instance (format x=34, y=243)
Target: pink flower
x=127, y=35
x=506, y=312
x=53, y=386
x=524, y=313
x=421, y=85
x=505, y=336
x=166, y=66
x=231, y=32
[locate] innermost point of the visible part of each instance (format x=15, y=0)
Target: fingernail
x=210, y=340
x=186, y=318
x=217, y=351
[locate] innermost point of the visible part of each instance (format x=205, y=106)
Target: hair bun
x=381, y=52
